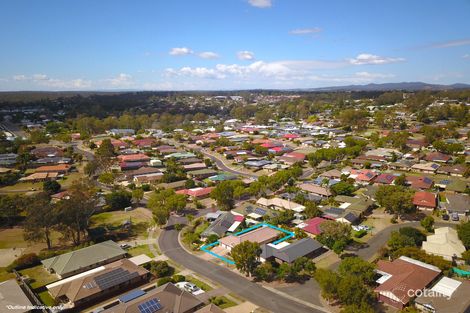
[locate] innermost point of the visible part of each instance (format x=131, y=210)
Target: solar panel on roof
x=131, y=295
x=114, y=278
x=249, y=209
x=150, y=306
x=260, y=211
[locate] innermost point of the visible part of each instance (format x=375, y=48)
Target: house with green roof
x=84, y=259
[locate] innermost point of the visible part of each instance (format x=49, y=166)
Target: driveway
x=169, y=245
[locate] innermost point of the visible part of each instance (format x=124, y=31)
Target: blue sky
x=230, y=44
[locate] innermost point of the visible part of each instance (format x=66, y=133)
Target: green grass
x=198, y=283
x=39, y=276
x=223, y=302
x=11, y=238
x=113, y=221
x=46, y=298
x=142, y=249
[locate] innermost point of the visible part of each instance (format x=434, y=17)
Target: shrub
x=178, y=278
x=360, y=233
x=24, y=261
x=164, y=280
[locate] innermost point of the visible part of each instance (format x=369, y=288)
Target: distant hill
x=408, y=86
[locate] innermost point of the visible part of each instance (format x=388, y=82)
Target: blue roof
x=131, y=295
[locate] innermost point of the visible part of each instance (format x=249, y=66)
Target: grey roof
x=350, y=217
x=220, y=226
x=293, y=251
x=83, y=258
x=457, y=203
x=12, y=294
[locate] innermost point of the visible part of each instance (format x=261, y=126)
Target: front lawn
x=222, y=302
x=138, y=250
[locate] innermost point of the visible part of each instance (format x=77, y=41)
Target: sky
x=230, y=44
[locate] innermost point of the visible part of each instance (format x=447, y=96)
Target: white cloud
x=121, y=80
x=40, y=77
x=245, y=55
x=305, y=31
x=181, y=51
x=452, y=43
x=366, y=58
x=367, y=75
x=20, y=77
x=208, y=55
x=466, y=56
x=260, y=3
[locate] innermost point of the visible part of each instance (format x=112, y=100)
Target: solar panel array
x=249, y=209
x=260, y=211
x=114, y=278
x=150, y=306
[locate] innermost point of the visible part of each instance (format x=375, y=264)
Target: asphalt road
x=169, y=245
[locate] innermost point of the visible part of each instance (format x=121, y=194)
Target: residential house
x=253, y=213
x=401, y=275
x=75, y=291
x=84, y=259
x=425, y=201
x=48, y=151
x=447, y=295
x=167, y=298
x=11, y=294
x=316, y=190
x=457, y=203
x=312, y=226
x=444, y=242
x=261, y=235
x=437, y=157
x=8, y=159
x=452, y=170
x=363, y=177
x=196, y=193
x=177, y=185
x=194, y=166
x=280, y=204
x=220, y=225
x=385, y=179
x=332, y=174
x=120, y=132
x=60, y=169
x=429, y=168
x=201, y=174
x=285, y=252
x=419, y=182
x=292, y=158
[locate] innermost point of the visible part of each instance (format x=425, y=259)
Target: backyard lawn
x=39, y=276
x=113, y=221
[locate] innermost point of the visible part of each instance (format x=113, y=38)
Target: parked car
x=125, y=246
x=455, y=217
x=445, y=217
x=129, y=208
x=190, y=287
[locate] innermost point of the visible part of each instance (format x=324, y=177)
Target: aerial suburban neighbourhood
x=297, y=180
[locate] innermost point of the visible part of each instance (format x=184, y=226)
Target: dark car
x=445, y=217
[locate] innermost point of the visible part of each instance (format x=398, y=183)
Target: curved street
x=169, y=245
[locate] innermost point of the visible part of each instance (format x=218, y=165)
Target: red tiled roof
x=423, y=198
x=385, y=178
x=313, y=225
x=291, y=136
x=437, y=156
x=405, y=276
x=419, y=182
x=196, y=192
x=133, y=157
x=295, y=155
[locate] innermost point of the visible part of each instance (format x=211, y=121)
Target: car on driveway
x=189, y=287
x=445, y=217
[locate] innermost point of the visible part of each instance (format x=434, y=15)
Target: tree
x=311, y=210
x=428, y=223
x=466, y=256
x=415, y=234
x=398, y=240
x=106, y=178
x=164, y=201
x=224, y=195
x=9, y=208
x=246, y=257
x=118, y=200
x=137, y=194
x=265, y=271
x=357, y=267
x=74, y=213
x=40, y=219
x=463, y=231
x=395, y=199
x=161, y=269
x=106, y=149
x=400, y=180
x=342, y=188
x=91, y=168
x=328, y=281
x=335, y=233
x=351, y=290
x=51, y=187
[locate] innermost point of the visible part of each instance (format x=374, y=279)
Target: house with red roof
x=437, y=157
x=364, y=176
x=401, y=278
x=312, y=226
x=138, y=157
x=291, y=136
x=292, y=158
x=425, y=201
x=144, y=143
x=419, y=182
x=196, y=193
x=384, y=179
